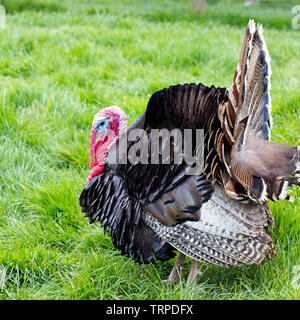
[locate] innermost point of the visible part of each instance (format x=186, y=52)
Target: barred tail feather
x=256, y=168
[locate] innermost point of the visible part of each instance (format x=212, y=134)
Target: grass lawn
x=62, y=61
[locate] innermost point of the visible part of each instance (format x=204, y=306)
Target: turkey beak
x=100, y=136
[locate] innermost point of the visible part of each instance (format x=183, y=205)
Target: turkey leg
x=175, y=273
x=193, y=273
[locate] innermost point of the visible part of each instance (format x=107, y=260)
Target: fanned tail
x=256, y=168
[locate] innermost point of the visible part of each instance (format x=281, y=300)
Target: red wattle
x=93, y=173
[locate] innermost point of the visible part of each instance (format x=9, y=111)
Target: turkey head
x=108, y=125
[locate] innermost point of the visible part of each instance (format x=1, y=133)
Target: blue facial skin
x=102, y=125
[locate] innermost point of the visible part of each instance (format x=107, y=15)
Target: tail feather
x=249, y=106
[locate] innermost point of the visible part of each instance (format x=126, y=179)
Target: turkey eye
x=101, y=124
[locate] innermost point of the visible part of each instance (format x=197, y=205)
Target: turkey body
x=122, y=193
x=219, y=215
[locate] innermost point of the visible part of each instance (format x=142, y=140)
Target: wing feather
x=105, y=199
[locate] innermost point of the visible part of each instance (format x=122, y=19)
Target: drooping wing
x=105, y=199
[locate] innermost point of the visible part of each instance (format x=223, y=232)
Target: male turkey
x=218, y=216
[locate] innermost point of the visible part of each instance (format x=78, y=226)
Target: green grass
x=60, y=62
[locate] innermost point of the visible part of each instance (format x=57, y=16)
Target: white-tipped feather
x=284, y=192
x=268, y=61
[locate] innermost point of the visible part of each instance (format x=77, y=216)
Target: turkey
x=214, y=209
